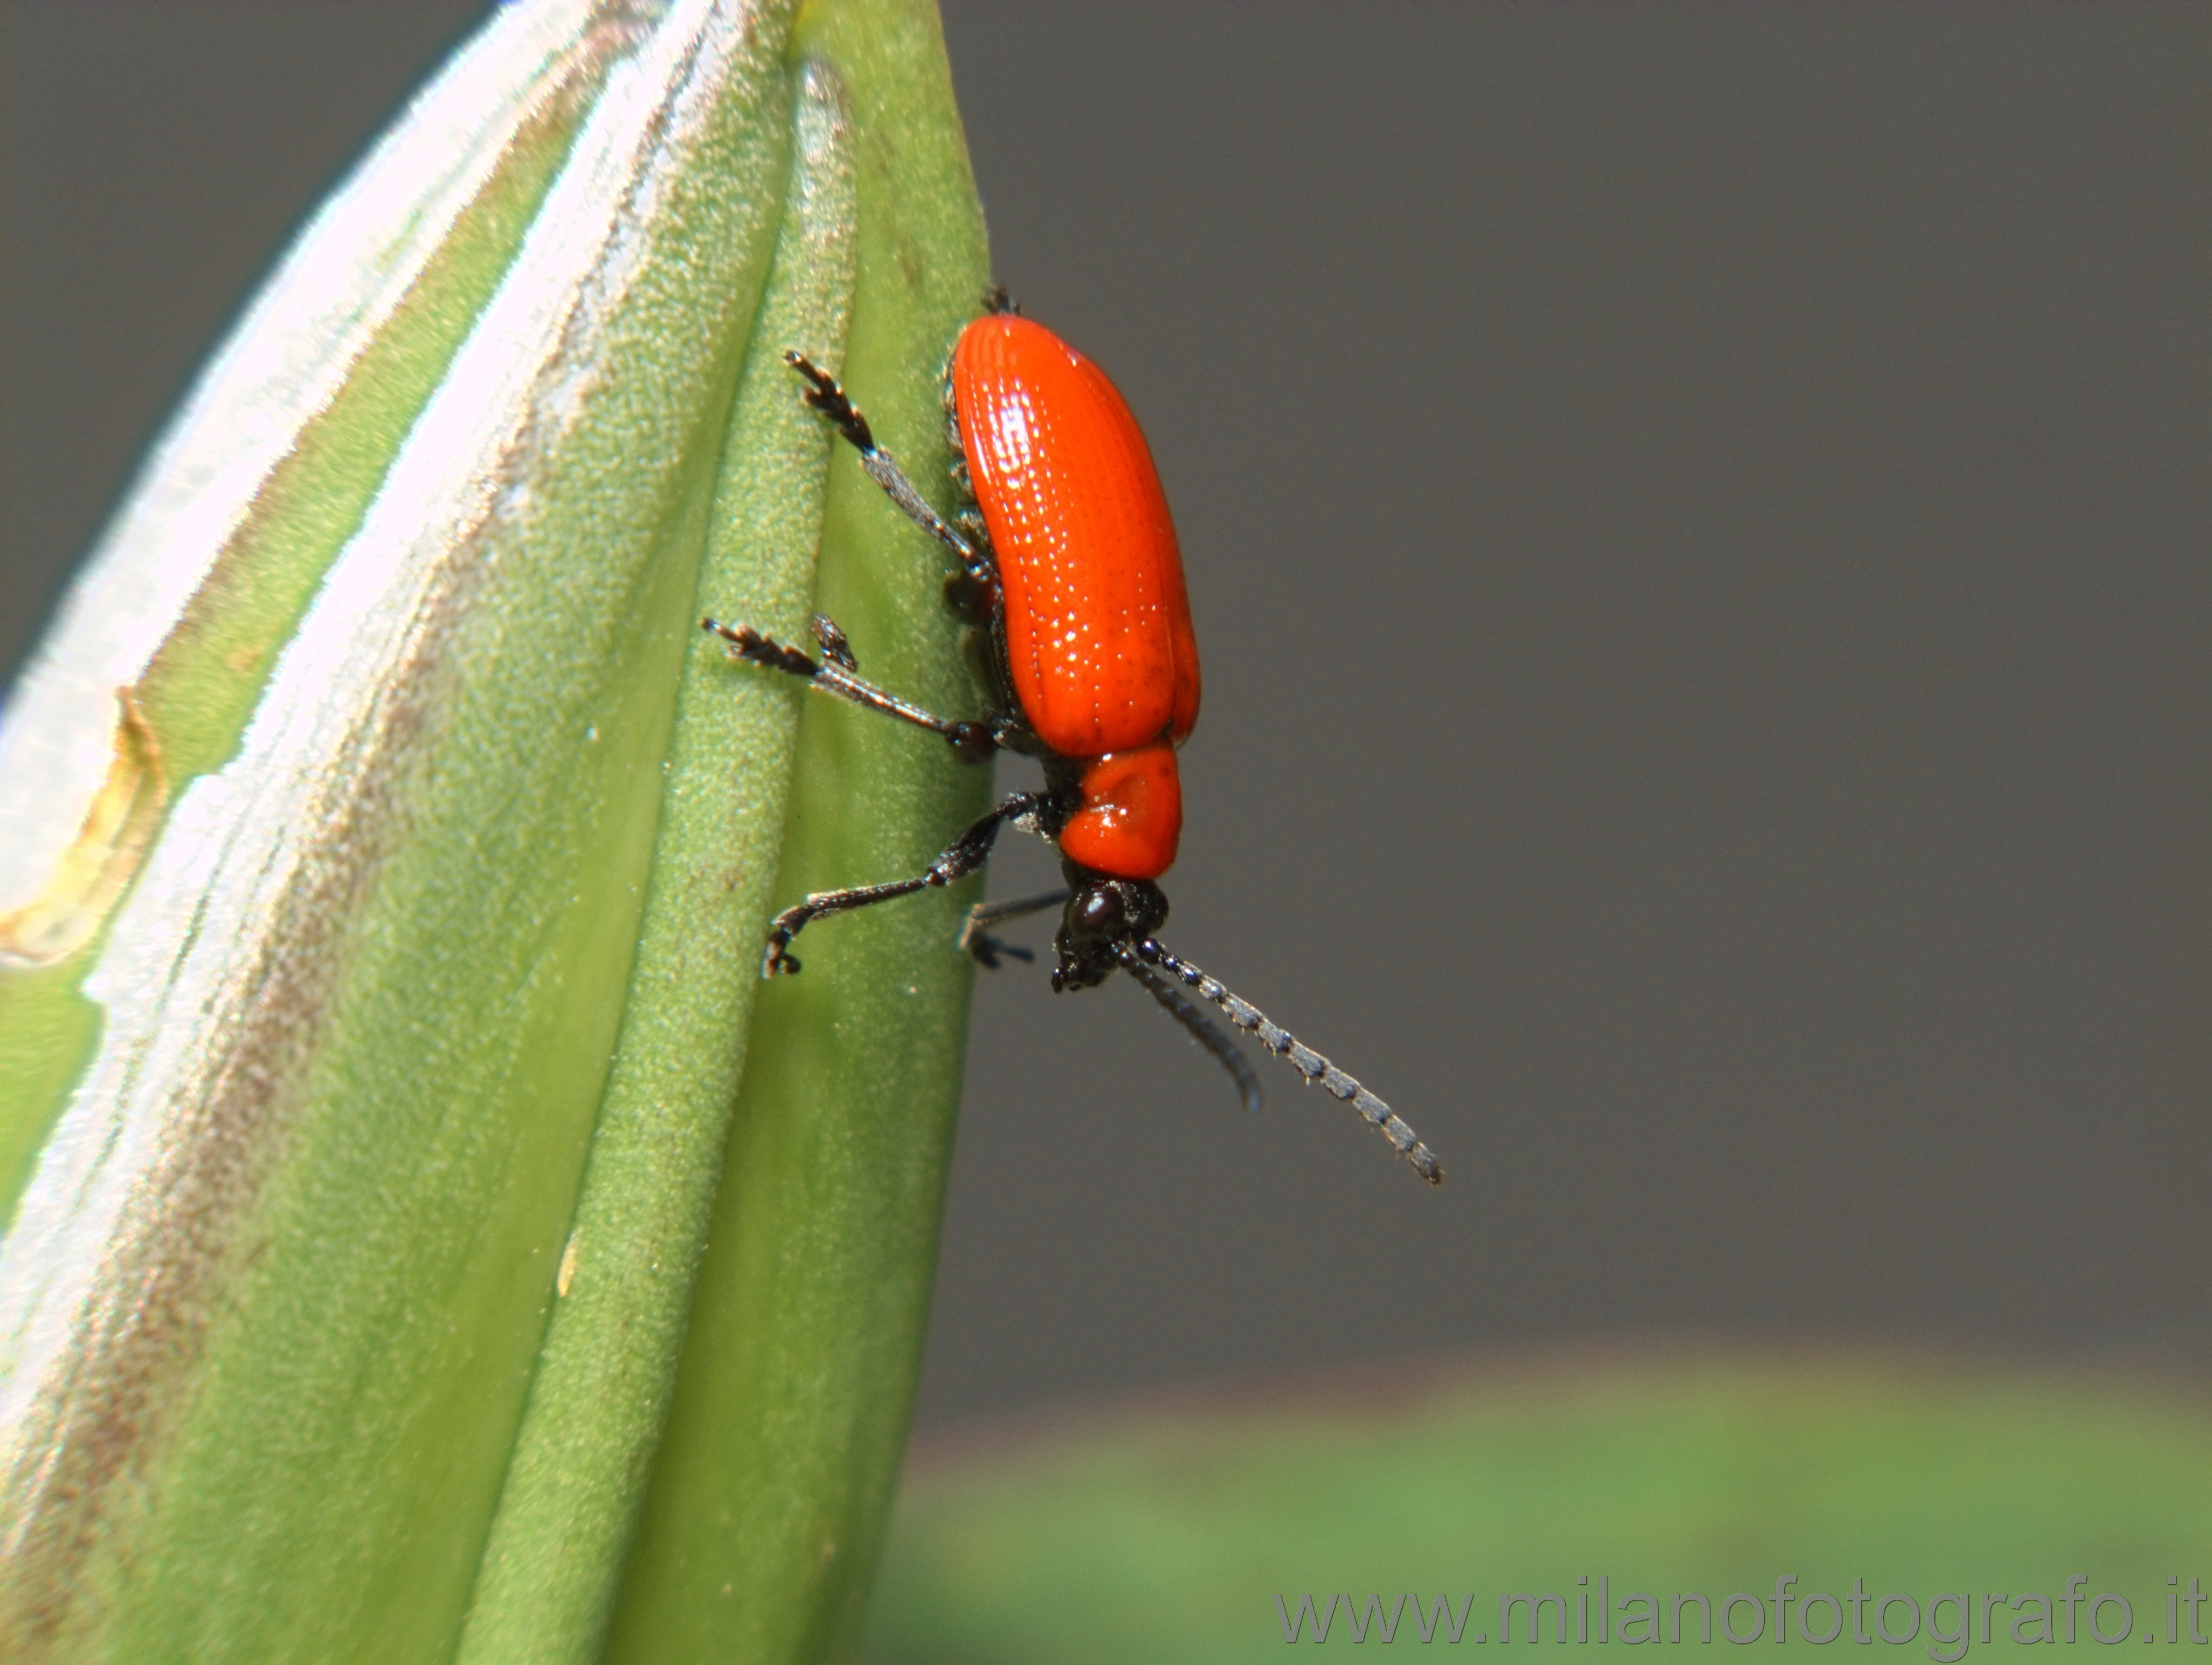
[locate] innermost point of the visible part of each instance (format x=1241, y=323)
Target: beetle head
x=1103, y=912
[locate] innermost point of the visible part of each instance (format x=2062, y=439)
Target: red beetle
x=1077, y=582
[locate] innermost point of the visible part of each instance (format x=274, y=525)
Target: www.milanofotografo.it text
x=1948, y=1622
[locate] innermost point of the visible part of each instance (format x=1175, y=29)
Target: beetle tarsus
x=985, y=949
x=834, y=647
x=972, y=742
x=749, y=645
x=825, y=395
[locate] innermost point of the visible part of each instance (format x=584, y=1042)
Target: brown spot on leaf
x=93, y=871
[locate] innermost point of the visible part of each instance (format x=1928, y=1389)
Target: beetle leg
x=834, y=647
x=986, y=950
x=834, y=674
x=962, y=857
x=824, y=395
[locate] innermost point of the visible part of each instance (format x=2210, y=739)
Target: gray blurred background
x=1698, y=521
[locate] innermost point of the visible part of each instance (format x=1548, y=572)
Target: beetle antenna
x=1203, y=1030
x=1149, y=954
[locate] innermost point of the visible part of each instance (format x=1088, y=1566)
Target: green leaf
x=1166, y=1535
x=240, y=511
x=382, y=1051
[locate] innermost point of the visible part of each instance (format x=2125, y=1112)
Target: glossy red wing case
x=1098, y=633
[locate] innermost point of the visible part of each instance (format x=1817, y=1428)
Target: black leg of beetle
x=835, y=648
x=962, y=857
x=1302, y=1058
x=825, y=395
x=1203, y=1030
x=986, y=950
x=972, y=740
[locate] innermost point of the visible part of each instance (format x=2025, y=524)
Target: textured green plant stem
x=775, y=1472
x=624, y=1291
x=344, y=1314
x=283, y=1422
x=528, y=853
